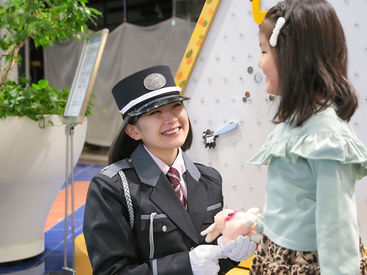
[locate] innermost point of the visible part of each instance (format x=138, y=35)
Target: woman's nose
x=169, y=116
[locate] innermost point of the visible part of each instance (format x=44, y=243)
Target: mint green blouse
x=310, y=203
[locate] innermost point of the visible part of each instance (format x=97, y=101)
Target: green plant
x=43, y=21
x=33, y=100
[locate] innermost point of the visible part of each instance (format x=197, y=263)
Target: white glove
x=204, y=259
x=238, y=250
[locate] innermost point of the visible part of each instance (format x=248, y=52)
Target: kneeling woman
x=145, y=211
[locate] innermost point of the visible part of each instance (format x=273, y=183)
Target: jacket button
x=130, y=160
x=164, y=228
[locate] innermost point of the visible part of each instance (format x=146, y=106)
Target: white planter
x=32, y=171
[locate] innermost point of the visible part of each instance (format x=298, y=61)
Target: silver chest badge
x=154, y=81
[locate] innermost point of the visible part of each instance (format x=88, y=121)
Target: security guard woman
x=135, y=221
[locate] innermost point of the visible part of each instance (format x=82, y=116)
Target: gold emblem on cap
x=154, y=81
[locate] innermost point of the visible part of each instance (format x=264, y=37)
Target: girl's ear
x=132, y=131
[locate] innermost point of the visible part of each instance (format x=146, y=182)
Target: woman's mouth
x=171, y=131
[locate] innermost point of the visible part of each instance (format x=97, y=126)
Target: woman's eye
x=154, y=112
x=177, y=105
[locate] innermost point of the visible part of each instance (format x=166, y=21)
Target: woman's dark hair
x=312, y=61
x=123, y=145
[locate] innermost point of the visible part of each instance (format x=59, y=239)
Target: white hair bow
x=274, y=36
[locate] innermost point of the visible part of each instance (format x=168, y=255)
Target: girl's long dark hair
x=123, y=145
x=312, y=61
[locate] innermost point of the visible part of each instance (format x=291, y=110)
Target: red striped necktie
x=174, y=178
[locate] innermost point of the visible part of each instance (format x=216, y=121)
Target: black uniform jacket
x=114, y=248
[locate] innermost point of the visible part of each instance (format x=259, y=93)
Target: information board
x=84, y=78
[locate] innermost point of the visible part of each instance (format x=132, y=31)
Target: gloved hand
x=204, y=259
x=238, y=250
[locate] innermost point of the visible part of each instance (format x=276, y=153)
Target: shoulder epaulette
x=112, y=169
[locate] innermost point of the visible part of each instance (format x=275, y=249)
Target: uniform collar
x=178, y=163
x=149, y=171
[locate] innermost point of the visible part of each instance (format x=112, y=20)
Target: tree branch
x=10, y=65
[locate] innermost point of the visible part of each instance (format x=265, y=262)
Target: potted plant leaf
x=32, y=139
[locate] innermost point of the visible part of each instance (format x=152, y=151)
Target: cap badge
x=154, y=81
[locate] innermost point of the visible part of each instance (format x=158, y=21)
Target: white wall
x=227, y=68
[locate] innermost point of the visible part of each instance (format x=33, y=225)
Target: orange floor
x=57, y=212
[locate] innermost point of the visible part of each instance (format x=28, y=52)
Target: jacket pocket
x=211, y=211
x=161, y=223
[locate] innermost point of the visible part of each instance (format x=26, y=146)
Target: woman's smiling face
x=162, y=130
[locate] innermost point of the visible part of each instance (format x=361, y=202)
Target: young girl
x=136, y=221
x=314, y=157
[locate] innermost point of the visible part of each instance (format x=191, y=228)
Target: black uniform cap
x=146, y=90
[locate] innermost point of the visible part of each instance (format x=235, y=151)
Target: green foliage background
x=45, y=21
x=33, y=100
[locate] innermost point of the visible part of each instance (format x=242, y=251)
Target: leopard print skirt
x=272, y=259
